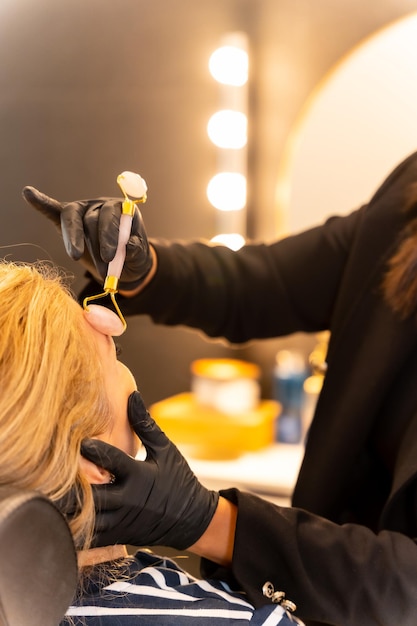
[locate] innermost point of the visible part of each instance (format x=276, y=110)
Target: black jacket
x=346, y=553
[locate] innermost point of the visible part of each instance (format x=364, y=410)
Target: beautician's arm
x=216, y=544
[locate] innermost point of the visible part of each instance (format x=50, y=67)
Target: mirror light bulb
x=228, y=129
x=229, y=65
x=227, y=191
x=234, y=241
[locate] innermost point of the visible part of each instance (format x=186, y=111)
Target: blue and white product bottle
x=290, y=373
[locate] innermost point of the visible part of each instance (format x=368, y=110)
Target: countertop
x=270, y=472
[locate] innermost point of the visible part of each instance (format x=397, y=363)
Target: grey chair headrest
x=38, y=565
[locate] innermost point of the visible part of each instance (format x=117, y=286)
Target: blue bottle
x=290, y=373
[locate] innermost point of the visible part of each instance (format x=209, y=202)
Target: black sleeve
x=269, y=290
x=259, y=291
x=341, y=575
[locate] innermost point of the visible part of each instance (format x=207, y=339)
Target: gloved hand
x=158, y=501
x=90, y=230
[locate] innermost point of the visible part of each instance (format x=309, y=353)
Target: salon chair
x=38, y=564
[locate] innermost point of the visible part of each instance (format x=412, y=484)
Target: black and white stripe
x=149, y=590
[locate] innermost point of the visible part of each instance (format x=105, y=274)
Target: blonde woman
x=61, y=386
x=52, y=395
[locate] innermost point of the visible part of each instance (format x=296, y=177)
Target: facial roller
x=134, y=190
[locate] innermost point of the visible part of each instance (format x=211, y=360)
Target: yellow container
x=208, y=433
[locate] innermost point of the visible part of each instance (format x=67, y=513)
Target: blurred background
x=89, y=88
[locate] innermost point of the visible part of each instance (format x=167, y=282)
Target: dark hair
x=400, y=282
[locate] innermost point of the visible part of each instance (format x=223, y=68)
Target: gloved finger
x=137, y=221
x=72, y=226
x=49, y=207
x=104, y=522
x=80, y=233
x=107, y=456
x=138, y=242
x=106, y=501
x=148, y=431
x=108, y=228
x=112, y=496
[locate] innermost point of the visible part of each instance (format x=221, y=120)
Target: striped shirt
x=150, y=590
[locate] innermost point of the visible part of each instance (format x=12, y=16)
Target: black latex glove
x=158, y=501
x=90, y=230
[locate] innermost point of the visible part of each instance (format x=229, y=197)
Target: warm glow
x=230, y=65
x=227, y=191
x=342, y=147
x=234, y=241
x=228, y=129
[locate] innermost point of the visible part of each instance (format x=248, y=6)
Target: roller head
x=132, y=185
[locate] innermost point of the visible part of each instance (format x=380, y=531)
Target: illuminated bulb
x=227, y=191
x=228, y=129
x=234, y=241
x=229, y=65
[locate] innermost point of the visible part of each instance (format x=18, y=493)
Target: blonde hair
x=51, y=395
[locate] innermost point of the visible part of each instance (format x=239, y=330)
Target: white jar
x=227, y=385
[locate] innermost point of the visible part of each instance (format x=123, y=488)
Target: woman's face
x=119, y=383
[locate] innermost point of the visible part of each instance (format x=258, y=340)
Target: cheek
x=119, y=387
x=120, y=383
